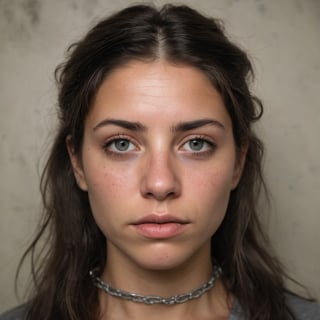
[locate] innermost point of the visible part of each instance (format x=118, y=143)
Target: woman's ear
x=239, y=165
x=76, y=165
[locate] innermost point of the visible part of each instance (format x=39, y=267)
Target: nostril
x=161, y=195
x=171, y=194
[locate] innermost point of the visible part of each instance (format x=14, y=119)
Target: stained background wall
x=282, y=37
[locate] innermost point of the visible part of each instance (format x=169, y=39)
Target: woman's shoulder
x=303, y=309
x=17, y=313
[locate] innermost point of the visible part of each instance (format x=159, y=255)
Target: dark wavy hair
x=73, y=243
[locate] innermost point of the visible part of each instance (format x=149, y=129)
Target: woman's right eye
x=119, y=145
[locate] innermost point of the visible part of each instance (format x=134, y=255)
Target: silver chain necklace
x=181, y=298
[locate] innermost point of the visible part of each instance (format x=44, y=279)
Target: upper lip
x=160, y=219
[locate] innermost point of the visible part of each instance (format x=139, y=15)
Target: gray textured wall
x=282, y=37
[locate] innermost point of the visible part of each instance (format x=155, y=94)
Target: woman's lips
x=160, y=227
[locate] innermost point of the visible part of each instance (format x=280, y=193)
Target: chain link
x=181, y=298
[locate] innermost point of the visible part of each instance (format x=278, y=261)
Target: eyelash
x=109, y=142
x=211, y=146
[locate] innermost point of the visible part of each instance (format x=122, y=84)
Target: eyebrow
x=190, y=125
x=133, y=126
x=180, y=127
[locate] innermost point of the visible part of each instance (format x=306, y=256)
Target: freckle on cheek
x=206, y=182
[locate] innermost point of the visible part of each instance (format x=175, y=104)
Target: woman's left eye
x=198, y=145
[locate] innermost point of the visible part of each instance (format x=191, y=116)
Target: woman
x=151, y=186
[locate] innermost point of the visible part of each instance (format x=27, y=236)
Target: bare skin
x=159, y=162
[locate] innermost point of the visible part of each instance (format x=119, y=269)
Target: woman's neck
x=127, y=275
x=165, y=283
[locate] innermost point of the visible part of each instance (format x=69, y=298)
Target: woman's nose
x=160, y=178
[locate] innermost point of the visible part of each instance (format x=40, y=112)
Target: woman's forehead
x=158, y=87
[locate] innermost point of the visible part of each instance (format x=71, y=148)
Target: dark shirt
x=303, y=310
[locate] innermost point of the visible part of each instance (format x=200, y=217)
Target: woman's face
x=158, y=163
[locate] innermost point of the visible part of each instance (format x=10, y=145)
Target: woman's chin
x=164, y=259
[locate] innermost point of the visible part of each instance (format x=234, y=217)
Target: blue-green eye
x=198, y=145
x=120, y=145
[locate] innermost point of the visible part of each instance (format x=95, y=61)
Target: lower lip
x=160, y=231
